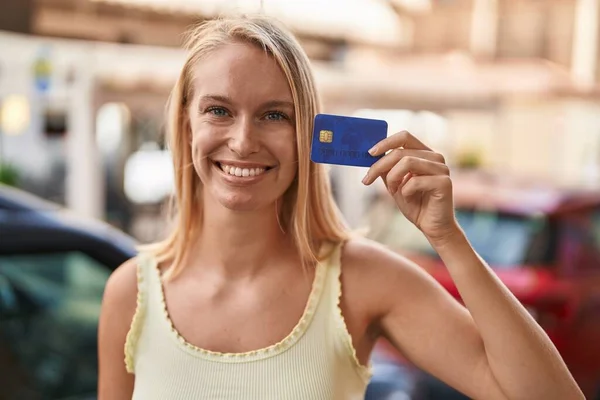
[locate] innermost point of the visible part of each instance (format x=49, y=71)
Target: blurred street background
x=507, y=90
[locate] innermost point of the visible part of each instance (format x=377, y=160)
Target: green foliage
x=9, y=175
x=470, y=160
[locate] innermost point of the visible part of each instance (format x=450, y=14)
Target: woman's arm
x=492, y=349
x=518, y=352
x=118, y=307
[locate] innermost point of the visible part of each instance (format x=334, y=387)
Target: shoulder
x=120, y=296
x=119, y=305
x=365, y=256
x=379, y=276
x=122, y=283
x=358, y=250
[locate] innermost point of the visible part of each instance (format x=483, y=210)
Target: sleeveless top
x=315, y=361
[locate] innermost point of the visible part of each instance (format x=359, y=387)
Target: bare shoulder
x=372, y=260
x=357, y=251
x=119, y=300
x=118, y=308
x=121, y=286
x=382, y=277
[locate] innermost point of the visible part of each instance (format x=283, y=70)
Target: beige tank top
x=315, y=361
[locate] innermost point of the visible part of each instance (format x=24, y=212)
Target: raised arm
x=493, y=349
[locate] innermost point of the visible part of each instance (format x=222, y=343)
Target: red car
x=543, y=241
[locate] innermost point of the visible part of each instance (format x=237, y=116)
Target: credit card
x=346, y=140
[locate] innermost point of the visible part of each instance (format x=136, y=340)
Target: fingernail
x=373, y=150
x=365, y=179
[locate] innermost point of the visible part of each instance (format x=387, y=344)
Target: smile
x=242, y=172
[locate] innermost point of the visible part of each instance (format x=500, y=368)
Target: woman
x=261, y=292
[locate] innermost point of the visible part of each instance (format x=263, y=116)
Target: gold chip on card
x=325, y=136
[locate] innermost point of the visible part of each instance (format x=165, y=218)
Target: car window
x=542, y=247
x=504, y=240
x=49, y=309
x=580, y=241
x=501, y=239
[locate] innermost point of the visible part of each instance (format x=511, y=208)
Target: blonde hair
x=308, y=211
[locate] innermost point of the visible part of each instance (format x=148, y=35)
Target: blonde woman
x=261, y=292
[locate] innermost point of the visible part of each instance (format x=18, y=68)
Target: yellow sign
x=15, y=115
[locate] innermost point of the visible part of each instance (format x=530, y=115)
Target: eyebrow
x=216, y=97
x=268, y=104
x=278, y=104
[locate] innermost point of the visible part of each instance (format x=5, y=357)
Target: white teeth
x=242, y=172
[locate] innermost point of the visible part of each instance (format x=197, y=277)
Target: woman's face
x=242, y=122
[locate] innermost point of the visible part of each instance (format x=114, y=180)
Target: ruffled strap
x=143, y=266
x=335, y=266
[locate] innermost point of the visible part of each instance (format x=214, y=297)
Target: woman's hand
x=419, y=181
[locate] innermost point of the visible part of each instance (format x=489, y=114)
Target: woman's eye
x=217, y=111
x=276, y=116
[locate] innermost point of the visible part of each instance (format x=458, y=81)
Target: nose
x=243, y=139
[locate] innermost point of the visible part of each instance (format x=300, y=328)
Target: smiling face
x=242, y=127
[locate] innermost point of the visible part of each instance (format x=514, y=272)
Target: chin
x=242, y=202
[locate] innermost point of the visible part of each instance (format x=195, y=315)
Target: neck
x=240, y=243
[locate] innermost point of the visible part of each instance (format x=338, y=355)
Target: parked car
x=543, y=241
x=53, y=269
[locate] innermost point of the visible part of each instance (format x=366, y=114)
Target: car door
x=580, y=264
x=49, y=308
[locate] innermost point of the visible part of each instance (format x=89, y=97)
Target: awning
x=366, y=21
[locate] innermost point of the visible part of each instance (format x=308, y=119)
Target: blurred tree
x=469, y=159
x=9, y=175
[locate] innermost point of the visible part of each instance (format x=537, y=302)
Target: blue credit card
x=346, y=140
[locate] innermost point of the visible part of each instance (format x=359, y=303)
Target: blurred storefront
x=506, y=85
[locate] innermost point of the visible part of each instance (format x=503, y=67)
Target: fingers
x=401, y=139
x=424, y=184
x=416, y=167
x=408, y=160
x=387, y=162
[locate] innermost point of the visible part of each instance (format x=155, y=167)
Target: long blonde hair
x=309, y=212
